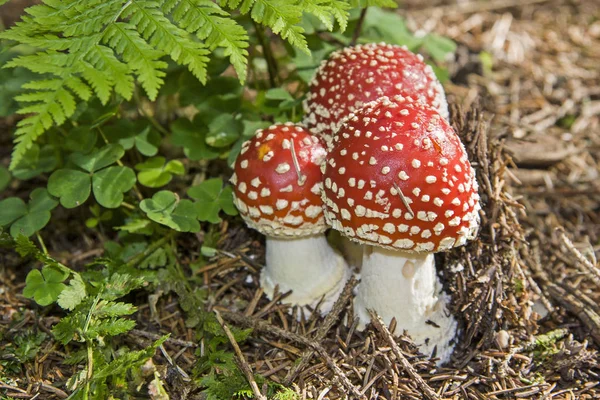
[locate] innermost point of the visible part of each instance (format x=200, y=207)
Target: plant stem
x=42, y=244
x=150, y=249
x=359, y=26
x=268, y=54
x=149, y=117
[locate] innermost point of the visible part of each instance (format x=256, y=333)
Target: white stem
x=308, y=266
x=405, y=286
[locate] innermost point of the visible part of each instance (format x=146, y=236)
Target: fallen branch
x=241, y=359
x=330, y=319
x=380, y=326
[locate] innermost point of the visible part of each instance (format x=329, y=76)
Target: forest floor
x=525, y=96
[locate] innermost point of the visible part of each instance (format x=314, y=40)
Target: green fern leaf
x=327, y=10
x=281, y=17
x=215, y=26
x=147, y=16
x=144, y=59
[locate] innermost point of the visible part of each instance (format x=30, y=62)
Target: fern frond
x=281, y=16
x=327, y=10
x=215, y=27
x=51, y=104
x=142, y=58
x=163, y=35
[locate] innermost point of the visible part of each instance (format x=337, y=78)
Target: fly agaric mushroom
x=357, y=75
x=277, y=189
x=397, y=178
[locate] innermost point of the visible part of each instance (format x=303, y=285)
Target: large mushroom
x=277, y=189
x=357, y=75
x=397, y=178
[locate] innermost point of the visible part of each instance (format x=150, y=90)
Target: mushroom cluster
x=379, y=163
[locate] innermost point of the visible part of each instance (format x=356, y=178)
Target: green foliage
x=156, y=172
x=211, y=197
x=27, y=219
x=73, y=186
x=101, y=48
x=45, y=286
x=23, y=348
x=166, y=208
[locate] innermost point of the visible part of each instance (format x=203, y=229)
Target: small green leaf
x=109, y=185
x=73, y=294
x=11, y=209
x=142, y=226
x=438, y=46
x=37, y=216
x=81, y=139
x=155, y=173
x=45, y=286
x=166, y=209
x=278, y=94
x=224, y=130
x=4, y=178
x=70, y=186
x=192, y=137
x=211, y=199
x=99, y=158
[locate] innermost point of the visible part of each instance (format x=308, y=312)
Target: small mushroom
x=357, y=75
x=277, y=190
x=397, y=178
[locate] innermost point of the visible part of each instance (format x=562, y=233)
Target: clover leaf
x=45, y=286
x=223, y=131
x=191, y=135
x=211, y=197
x=154, y=172
x=73, y=186
x=138, y=134
x=166, y=209
x=27, y=219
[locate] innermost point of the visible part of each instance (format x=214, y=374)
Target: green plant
x=136, y=109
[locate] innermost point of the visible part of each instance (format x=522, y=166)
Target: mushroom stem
x=405, y=286
x=308, y=266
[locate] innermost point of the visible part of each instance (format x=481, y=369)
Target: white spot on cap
x=282, y=168
x=416, y=163
x=255, y=182
x=244, y=164
x=265, y=192
x=268, y=210
x=287, y=189
x=372, y=161
x=430, y=179
x=345, y=214
x=280, y=204
x=389, y=228
x=313, y=211
x=360, y=211
x=403, y=175
x=242, y=187
x=385, y=170
x=404, y=244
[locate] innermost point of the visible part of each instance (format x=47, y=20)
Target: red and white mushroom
x=277, y=189
x=357, y=75
x=397, y=178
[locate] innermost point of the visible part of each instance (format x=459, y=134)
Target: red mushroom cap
x=397, y=176
x=277, y=182
x=357, y=75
